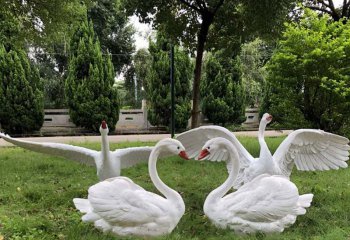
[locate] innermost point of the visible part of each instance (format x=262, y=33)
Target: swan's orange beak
x=183, y=154
x=203, y=154
x=104, y=124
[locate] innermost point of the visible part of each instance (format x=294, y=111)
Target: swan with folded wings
x=308, y=149
x=120, y=206
x=108, y=163
x=265, y=204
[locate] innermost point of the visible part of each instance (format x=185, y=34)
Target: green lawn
x=36, y=193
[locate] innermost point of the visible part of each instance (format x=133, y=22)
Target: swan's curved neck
x=262, y=127
x=105, y=148
x=158, y=183
x=219, y=192
x=264, y=150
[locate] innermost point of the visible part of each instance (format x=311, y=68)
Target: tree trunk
x=202, y=38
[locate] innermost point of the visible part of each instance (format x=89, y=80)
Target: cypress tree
x=89, y=89
x=222, y=91
x=21, y=97
x=157, y=85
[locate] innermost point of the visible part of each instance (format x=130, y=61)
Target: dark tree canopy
x=212, y=21
x=110, y=25
x=41, y=22
x=330, y=7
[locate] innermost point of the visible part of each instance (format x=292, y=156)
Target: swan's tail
x=83, y=205
x=304, y=202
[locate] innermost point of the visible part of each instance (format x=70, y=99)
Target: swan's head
x=104, y=128
x=266, y=118
x=213, y=145
x=172, y=146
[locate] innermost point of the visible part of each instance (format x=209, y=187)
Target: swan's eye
x=208, y=147
x=178, y=148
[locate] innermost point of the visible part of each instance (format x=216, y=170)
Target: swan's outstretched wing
x=131, y=156
x=122, y=202
x=194, y=139
x=312, y=150
x=265, y=199
x=76, y=153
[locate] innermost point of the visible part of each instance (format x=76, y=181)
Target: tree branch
x=319, y=9
x=331, y=6
x=347, y=3
x=190, y=5
x=201, y=4
x=325, y=4
x=346, y=7
x=343, y=12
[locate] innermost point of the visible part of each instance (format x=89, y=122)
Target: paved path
x=129, y=138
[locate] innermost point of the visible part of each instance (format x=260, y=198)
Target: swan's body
x=108, y=163
x=265, y=204
x=308, y=149
x=124, y=208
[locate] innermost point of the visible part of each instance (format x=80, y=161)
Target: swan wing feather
x=194, y=139
x=131, y=156
x=122, y=202
x=76, y=153
x=311, y=150
x=265, y=199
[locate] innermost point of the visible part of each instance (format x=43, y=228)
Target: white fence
x=128, y=119
x=57, y=118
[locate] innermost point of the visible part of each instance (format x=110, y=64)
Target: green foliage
x=135, y=78
x=234, y=22
x=37, y=192
x=131, y=97
x=89, y=87
x=53, y=82
x=253, y=57
x=306, y=72
x=222, y=91
x=112, y=28
x=157, y=86
x=10, y=30
x=211, y=25
x=43, y=24
x=21, y=97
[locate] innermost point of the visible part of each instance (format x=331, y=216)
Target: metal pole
x=172, y=83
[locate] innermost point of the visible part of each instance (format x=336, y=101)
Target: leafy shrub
x=308, y=75
x=222, y=91
x=21, y=97
x=90, y=94
x=157, y=86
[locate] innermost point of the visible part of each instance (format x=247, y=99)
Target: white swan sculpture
x=308, y=149
x=266, y=204
x=108, y=163
x=124, y=208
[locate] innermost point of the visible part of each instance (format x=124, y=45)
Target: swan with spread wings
x=307, y=149
x=108, y=163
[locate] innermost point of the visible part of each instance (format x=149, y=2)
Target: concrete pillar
x=144, y=110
